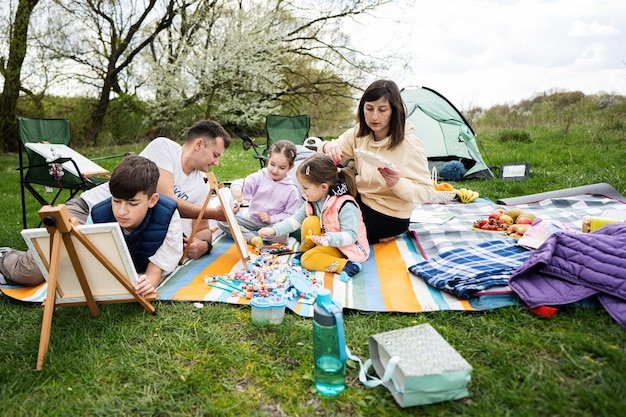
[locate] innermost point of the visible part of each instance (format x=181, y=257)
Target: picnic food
x=523, y=220
x=514, y=213
x=517, y=230
x=490, y=225
x=467, y=196
x=501, y=220
x=591, y=224
x=443, y=186
x=256, y=241
x=506, y=219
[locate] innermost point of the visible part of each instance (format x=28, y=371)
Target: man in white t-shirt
x=182, y=170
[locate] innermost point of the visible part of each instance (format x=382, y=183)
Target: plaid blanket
x=434, y=239
x=457, y=240
x=466, y=271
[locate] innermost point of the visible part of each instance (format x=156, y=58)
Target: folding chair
x=51, y=163
x=292, y=128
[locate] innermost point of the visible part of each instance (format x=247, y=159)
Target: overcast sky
x=487, y=52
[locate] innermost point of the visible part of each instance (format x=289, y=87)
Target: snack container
x=267, y=310
x=591, y=224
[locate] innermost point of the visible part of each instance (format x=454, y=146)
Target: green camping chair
x=45, y=169
x=292, y=128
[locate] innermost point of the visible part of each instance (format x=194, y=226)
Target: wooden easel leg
x=49, y=303
x=196, y=224
x=107, y=264
x=80, y=274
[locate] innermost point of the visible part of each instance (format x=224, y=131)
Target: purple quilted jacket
x=569, y=267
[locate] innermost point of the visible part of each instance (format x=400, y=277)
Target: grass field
x=212, y=361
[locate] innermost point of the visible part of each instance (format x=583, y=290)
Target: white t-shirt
x=95, y=195
x=166, y=154
x=194, y=187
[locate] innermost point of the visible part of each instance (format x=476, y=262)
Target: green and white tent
x=446, y=135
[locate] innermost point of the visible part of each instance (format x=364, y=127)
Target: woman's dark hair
x=320, y=168
x=285, y=147
x=389, y=90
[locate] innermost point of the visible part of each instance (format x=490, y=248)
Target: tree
x=209, y=60
x=11, y=70
x=232, y=61
x=242, y=60
x=103, y=37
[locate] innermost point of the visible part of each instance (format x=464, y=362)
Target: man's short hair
x=133, y=175
x=208, y=130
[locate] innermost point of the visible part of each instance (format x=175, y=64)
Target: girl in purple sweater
x=272, y=193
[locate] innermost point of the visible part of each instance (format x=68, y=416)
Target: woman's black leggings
x=379, y=225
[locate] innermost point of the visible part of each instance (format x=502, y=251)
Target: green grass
x=186, y=361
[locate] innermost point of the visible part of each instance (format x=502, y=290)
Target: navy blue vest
x=149, y=236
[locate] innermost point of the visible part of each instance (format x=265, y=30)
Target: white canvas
x=226, y=199
x=108, y=239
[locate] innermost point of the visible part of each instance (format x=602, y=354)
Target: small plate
x=300, y=283
x=373, y=159
x=476, y=229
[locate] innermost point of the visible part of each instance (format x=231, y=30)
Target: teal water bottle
x=329, y=345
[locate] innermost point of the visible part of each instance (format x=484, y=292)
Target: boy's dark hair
x=388, y=89
x=285, y=147
x=320, y=168
x=133, y=175
x=209, y=130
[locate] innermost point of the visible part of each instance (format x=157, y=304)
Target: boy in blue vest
x=149, y=221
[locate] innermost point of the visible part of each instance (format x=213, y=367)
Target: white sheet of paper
x=86, y=166
x=419, y=216
x=373, y=159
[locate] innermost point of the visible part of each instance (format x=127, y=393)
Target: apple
x=256, y=241
x=531, y=216
x=514, y=213
x=523, y=220
x=495, y=215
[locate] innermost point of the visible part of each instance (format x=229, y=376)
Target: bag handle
x=434, y=177
x=369, y=380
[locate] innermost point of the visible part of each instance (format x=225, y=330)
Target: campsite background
x=120, y=87
x=189, y=361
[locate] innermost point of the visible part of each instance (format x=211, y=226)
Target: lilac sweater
x=280, y=199
x=569, y=267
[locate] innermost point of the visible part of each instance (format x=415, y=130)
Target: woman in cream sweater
x=391, y=164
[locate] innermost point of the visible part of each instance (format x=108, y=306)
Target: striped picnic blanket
x=383, y=285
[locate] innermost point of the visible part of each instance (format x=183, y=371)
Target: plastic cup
x=267, y=310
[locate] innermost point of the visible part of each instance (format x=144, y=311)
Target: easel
x=235, y=230
x=58, y=224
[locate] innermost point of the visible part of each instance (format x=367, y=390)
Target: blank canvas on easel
x=108, y=238
x=226, y=200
